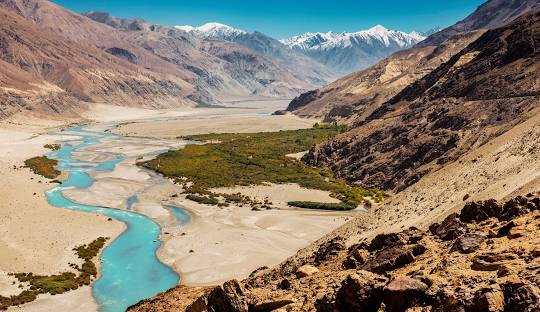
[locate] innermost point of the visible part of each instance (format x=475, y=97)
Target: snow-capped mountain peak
x=378, y=29
x=374, y=36
x=213, y=31
x=349, y=51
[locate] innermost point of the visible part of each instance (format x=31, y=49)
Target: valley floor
x=217, y=245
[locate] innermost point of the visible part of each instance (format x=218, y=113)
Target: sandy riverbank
x=241, y=118
x=36, y=237
x=219, y=243
x=224, y=243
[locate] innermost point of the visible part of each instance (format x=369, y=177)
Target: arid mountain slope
x=89, y=61
x=490, y=15
x=355, y=96
x=42, y=71
x=483, y=259
x=220, y=69
x=475, y=96
x=82, y=30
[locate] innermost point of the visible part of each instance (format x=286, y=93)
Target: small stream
x=130, y=270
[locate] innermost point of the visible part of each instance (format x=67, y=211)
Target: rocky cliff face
x=485, y=258
x=463, y=103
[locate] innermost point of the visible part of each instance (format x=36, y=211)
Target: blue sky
x=284, y=18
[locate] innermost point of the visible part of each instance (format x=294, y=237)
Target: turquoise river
x=130, y=269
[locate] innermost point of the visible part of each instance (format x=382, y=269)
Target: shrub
x=322, y=206
x=52, y=147
x=43, y=166
x=203, y=199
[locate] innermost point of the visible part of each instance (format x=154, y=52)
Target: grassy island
x=255, y=158
x=58, y=283
x=43, y=166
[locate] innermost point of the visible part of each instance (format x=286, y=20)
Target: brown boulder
x=270, y=305
x=306, y=270
x=450, y=228
x=480, y=211
x=482, y=265
x=505, y=229
x=521, y=297
x=386, y=240
x=513, y=208
x=361, y=292
x=389, y=259
x=329, y=250
x=491, y=261
x=228, y=298
x=468, y=243
x=356, y=258
x=490, y=300
x=403, y=293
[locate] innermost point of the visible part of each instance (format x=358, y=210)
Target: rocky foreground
x=487, y=258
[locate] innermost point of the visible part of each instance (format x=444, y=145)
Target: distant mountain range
x=136, y=62
x=349, y=52
x=215, y=31
x=340, y=52
x=307, y=67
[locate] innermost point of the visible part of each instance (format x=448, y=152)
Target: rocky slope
x=348, y=99
x=485, y=258
x=490, y=15
x=465, y=102
x=349, y=52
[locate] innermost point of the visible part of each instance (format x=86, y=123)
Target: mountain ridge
x=306, y=67
x=348, y=52
x=207, y=71
x=433, y=121
x=356, y=95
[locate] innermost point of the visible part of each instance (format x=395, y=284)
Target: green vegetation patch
x=43, y=166
x=52, y=147
x=207, y=200
x=58, y=283
x=322, y=206
x=255, y=158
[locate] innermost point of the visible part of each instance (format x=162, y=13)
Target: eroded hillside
x=475, y=96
